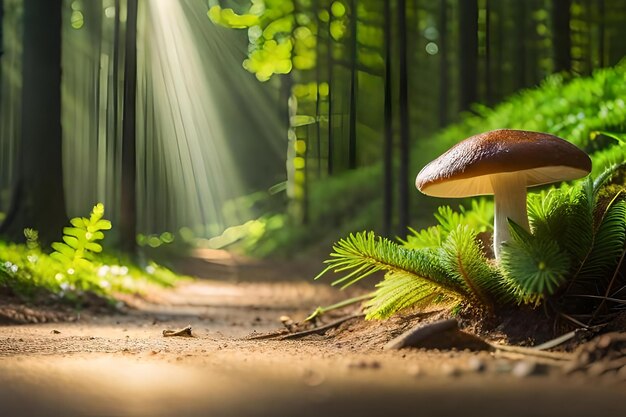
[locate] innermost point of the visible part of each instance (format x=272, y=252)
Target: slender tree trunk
x=499, y=50
x=443, y=62
x=602, y=33
x=1, y=48
x=1, y=28
x=128, y=219
x=468, y=52
x=354, y=79
x=521, y=34
x=330, y=63
x=388, y=129
x=403, y=173
x=38, y=199
x=318, y=130
x=488, y=75
x=562, y=40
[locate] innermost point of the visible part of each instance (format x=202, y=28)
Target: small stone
x=55, y=331
x=524, y=369
x=476, y=364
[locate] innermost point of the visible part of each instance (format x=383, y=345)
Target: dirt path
x=121, y=365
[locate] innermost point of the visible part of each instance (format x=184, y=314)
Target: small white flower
x=115, y=270
x=71, y=271
x=105, y=284
x=103, y=271
x=14, y=268
x=150, y=269
x=124, y=270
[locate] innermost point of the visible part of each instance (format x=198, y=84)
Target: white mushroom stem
x=510, y=203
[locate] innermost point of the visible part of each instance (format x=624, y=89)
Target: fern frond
x=577, y=239
x=606, y=176
x=364, y=254
x=80, y=241
x=426, y=238
x=535, y=266
x=548, y=210
x=463, y=259
x=607, y=247
x=448, y=218
x=399, y=291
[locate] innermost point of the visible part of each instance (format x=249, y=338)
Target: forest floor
x=120, y=364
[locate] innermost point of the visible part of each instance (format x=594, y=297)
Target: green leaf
x=64, y=249
x=77, y=222
x=103, y=225
x=76, y=232
x=94, y=247
x=71, y=241
x=58, y=256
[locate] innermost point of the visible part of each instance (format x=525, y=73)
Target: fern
x=533, y=266
x=463, y=259
x=401, y=290
x=607, y=246
x=578, y=235
x=363, y=254
x=32, y=239
x=80, y=241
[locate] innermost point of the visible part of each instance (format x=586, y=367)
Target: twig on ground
x=184, y=332
x=532, y=352
x=321, y=328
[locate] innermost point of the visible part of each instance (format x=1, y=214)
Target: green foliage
x=464, y=261
x=533, y=266
x=280, y=39
x=412, y=275
x=574, y=109
x=32, y=239
x=578, y=236
x=80, y=241
x=76, y=267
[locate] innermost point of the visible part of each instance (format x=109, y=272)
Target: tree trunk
x=388, y=130
x=602, y=61
x=354, y=77
x=38, y=197
x=128, y=218
x=488, y=74
x=330, y=63
x=403, y=173
x=468, y=52
x=521, y=34
x=443, y=63
x=561, y=40
x=1, y=28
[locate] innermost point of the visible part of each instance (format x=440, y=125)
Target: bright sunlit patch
x=190, y=98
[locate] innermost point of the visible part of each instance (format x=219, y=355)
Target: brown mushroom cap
x=467, y=168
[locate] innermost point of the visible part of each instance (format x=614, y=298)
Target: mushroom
x=503, y=163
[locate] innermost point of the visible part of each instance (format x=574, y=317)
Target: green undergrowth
x=589, y=112
x=76, y=267
x=571, y=262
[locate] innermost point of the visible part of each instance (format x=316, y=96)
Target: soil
x=65, y=363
